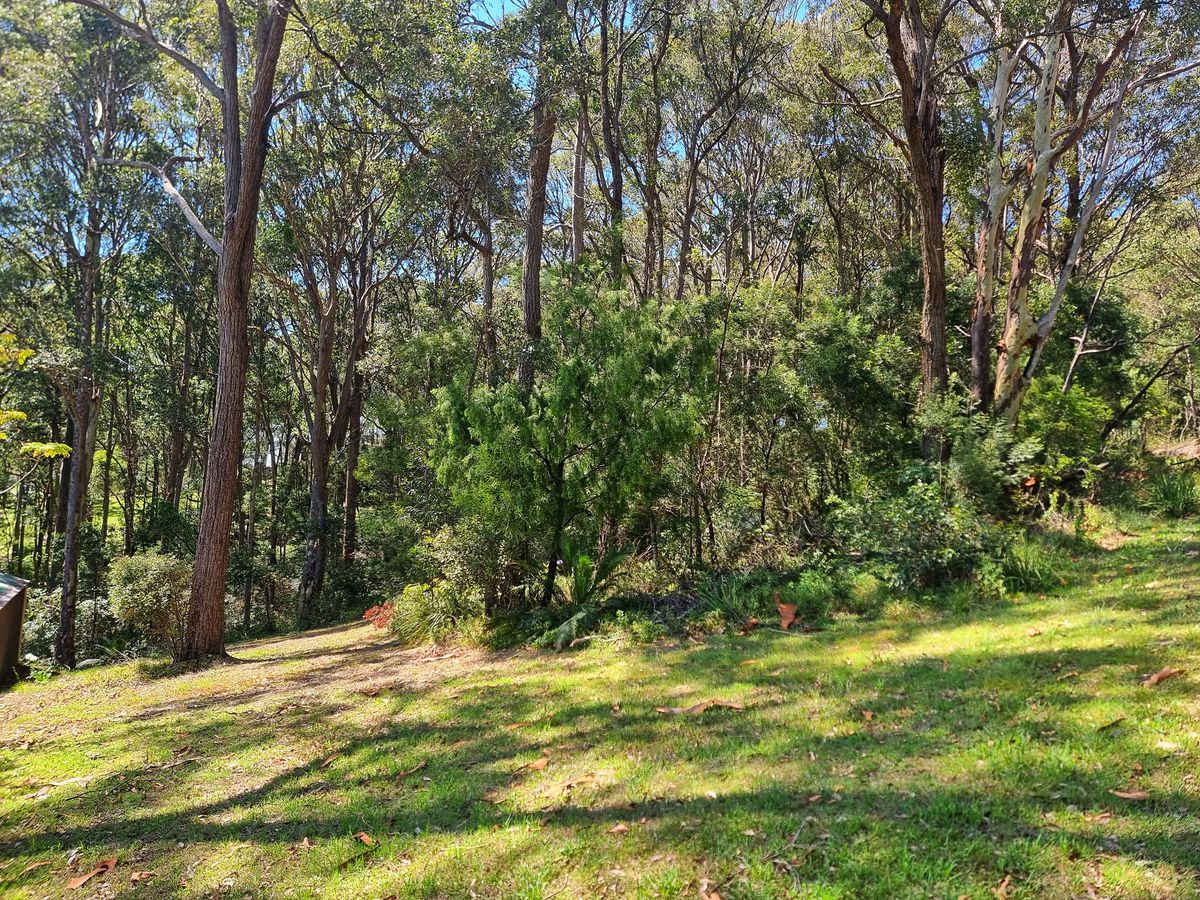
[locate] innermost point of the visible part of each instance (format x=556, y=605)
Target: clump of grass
x=1029, y=565
x=1175, y=495
x=430, y=612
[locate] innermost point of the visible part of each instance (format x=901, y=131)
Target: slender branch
x=164, y=175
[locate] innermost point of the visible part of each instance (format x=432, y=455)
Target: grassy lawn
x=938, y=756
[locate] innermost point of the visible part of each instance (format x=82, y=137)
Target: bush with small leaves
x=149, y=593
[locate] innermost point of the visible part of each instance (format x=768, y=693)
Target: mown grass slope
x=939, y=756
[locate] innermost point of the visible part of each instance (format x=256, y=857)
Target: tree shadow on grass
x=882, y=807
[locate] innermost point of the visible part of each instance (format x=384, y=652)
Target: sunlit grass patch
x=930, y=755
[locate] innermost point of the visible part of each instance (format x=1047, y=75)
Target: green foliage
x=44, y=450
x=1175, y=494
x=1068, y=427
x=922, y=536
x=587, y=442
x=432, y=611
x=149, y=593
x=584, y=587
x=1030, y=565
x=812, y=593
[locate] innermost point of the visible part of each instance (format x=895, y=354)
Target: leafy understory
x=1044, y=748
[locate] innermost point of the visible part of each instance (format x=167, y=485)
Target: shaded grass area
x=875, y=759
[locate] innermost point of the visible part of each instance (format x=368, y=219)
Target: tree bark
x=204, y=633
x=545, y=121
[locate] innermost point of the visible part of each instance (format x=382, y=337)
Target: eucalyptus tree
x=1062, y=86
x=335, y=191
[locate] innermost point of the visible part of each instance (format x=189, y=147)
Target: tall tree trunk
x=85, y=413
x=578, y=185
x=312, y=575
x=350, y=493
x=545, y=121
x=204, y=633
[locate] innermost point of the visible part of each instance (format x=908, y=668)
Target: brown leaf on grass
x=619, y=828
x=105, y=865
x=1033, y=632
x=138, y=877
x=1131, y=794
x=1097, y=817
x=1161, y=675
x=364, y=838
x=868, y=715
x=748, y=626
x=306, y=844
x=787, y=612
x=538, y=764
x=697, y=708
x=35, y=865
x=515, y=725
x=1001, y=890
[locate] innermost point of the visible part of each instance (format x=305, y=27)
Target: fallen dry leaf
x=1033, y=632
x=365, y=838
x=138, y=877
x=868, y=715
x=787, y=612
x=619, y=828
x=1001, y=890
x=105, y=865
x=1161, y=675
x=748, y=626
x=515, y=725
x=35, y=865
x=1132, y=794
x=538, y=764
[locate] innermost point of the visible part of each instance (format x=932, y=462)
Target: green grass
x=988, y=753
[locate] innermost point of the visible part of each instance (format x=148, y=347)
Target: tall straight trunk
x=175, y=456
x=204, y=633
x=350, y=491
x=578, y=185
x=545, y=121
x=85, y=413
x=312, y=575
x=130, y=449
x=612, y=91
x=109, y=444
x=685, y=228
x=912, y=50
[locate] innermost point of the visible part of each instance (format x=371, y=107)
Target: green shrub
x=432, y=611
x=811, y=592
x=149, y=593
x=1173, y=494
x=919, y=538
